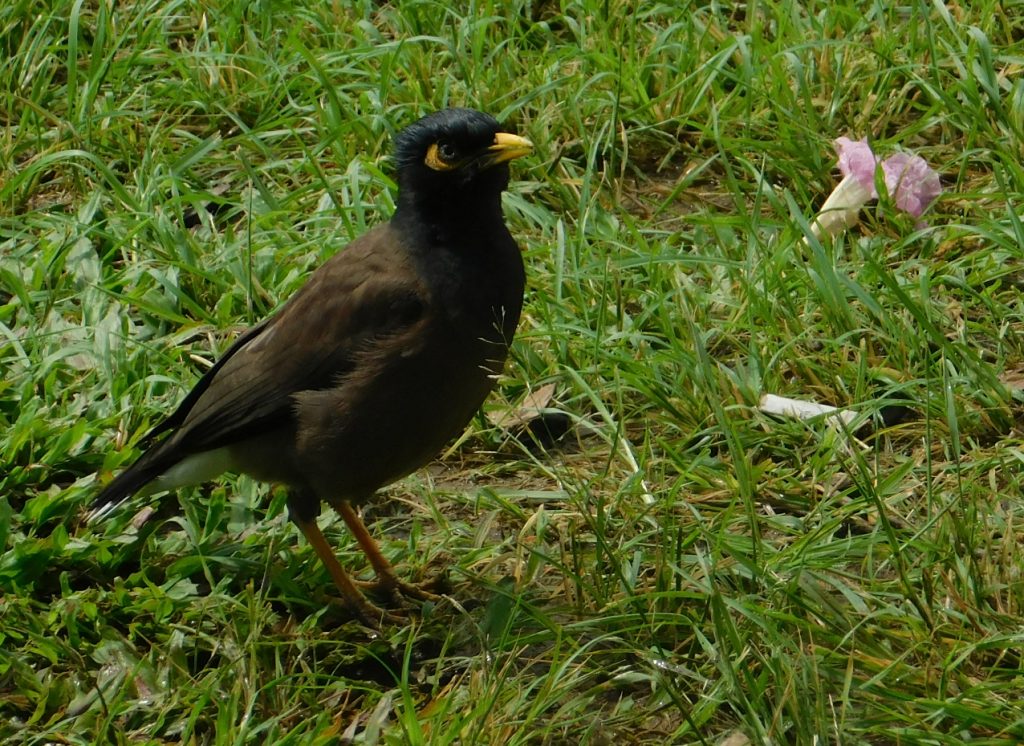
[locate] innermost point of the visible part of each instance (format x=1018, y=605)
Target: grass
x=681, y=568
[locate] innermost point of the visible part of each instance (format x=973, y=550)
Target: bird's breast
x=393, y=413
x=411, y=393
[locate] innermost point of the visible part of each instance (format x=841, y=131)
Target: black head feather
x=468, y=130
x=465, y=136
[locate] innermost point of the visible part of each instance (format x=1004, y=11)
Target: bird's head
x=454, y=155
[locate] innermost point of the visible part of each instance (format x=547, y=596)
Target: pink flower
x=910, y=181
x=912, y=184
x=858, y=160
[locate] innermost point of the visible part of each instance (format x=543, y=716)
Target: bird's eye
x=442, y=156
x=446, y=150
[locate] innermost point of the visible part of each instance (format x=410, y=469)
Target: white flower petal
x=842, y=208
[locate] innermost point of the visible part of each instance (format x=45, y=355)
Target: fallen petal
x=803, y=410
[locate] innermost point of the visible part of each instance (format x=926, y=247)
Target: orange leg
x=348, y=589
x=387, y=579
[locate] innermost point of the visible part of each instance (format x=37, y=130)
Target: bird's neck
x=445, y=219
x=470, y=255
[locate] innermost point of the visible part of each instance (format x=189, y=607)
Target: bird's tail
x=149, y=466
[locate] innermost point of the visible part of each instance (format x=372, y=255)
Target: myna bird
x=376, y=363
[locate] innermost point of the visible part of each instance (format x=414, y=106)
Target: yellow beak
x=506, y=147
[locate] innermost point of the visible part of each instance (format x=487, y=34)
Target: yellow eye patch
x=434, y=160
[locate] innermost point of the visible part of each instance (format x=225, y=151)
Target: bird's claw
x=376, y=617
x=398, y=589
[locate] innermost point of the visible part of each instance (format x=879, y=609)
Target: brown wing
x=366, y=292
x=179, y=415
